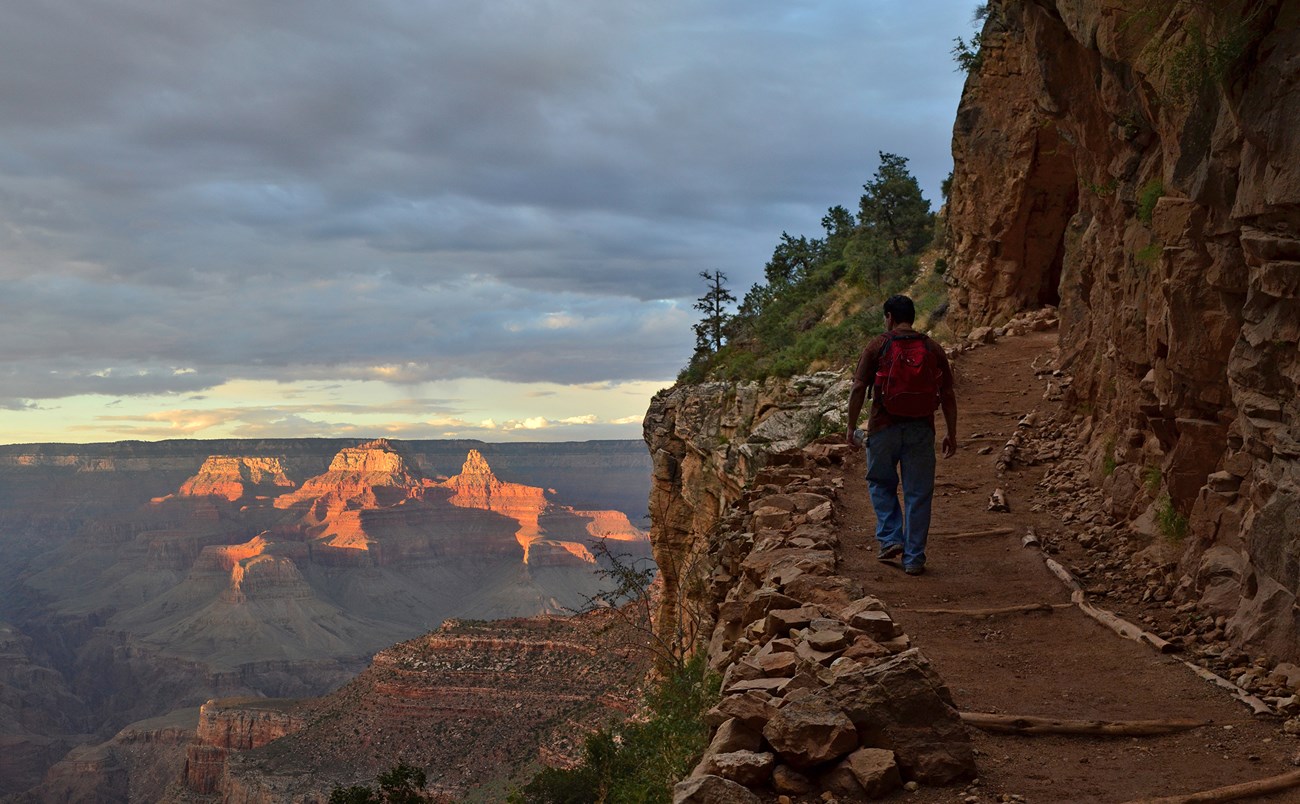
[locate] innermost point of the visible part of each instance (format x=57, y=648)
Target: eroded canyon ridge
x=142, y=578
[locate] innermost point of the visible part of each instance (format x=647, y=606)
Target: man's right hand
x=949, y=445
x=848, y=437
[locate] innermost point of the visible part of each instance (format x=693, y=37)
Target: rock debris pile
x=822, y=693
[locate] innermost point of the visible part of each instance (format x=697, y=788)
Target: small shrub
x=400, y=784
x=1101, y=190
x=1108, y=462
x=1148, y=255
x=968, y=55
x=1147, y=198
x=1173, y=525
x=1151, y=478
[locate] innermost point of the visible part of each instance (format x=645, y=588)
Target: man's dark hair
x=901, y=308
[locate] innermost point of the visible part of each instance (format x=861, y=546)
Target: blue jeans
x=909, y=447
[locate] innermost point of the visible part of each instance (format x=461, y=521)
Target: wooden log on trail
x=1030, y=539
x=1127, y=629
x=1029, y=724
x=1027, y=607
x=998, y=501
x=1130, y=631
x=1007, y=458
x=1257, y=706
x=1233, y=792
x=1064, y=574
x=1115, y=623
x=971, y=534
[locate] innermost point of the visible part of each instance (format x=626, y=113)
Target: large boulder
x=810, y=731
x=902, y=705
x=712, y=790
x=750, y=768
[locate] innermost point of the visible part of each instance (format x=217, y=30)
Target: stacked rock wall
x=1139, y=163
x=707, y=443
x=821, y=690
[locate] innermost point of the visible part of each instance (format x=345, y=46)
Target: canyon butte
x=142, y=579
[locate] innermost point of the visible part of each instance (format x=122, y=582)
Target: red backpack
x=907, y=376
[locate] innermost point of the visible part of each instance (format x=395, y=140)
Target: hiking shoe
x=916, y=570
x=889, y=551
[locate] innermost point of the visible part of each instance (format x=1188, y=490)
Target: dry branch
x=1029, y=724
x=1126, y=629
x=1233, y=792
x=1027, y=607
x=971, y=534
x=1064, y=574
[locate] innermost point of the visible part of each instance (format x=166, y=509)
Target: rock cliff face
x=476, y=487
x=1139, y=164
x=235, y=724
x=708, y=442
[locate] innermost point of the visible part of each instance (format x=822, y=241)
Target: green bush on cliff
x=1148, y=196
x=641, y=759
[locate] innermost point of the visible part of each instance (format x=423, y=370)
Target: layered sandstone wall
x=1139, y=164
x=235, y=724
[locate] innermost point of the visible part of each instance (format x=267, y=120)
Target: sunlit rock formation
x=233, y=478
x=476, y=487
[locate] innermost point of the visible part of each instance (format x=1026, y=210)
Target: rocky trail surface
x=1056, y=662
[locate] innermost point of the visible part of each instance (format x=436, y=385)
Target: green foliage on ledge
x=1148, y=196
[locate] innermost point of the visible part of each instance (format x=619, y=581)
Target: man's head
x=900, y=309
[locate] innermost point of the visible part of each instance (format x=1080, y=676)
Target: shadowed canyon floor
x=1058, y=663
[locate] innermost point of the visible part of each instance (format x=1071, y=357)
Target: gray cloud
x=298, y=190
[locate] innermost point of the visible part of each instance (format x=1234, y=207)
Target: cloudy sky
x=469, y=218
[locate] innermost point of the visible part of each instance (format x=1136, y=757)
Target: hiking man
x=911, y=377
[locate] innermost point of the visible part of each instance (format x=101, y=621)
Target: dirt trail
x=1059, y=664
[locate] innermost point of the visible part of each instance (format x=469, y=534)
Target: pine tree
x=709, y=332
x=893, y=208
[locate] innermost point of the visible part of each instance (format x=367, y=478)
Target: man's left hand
x=949, y=446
